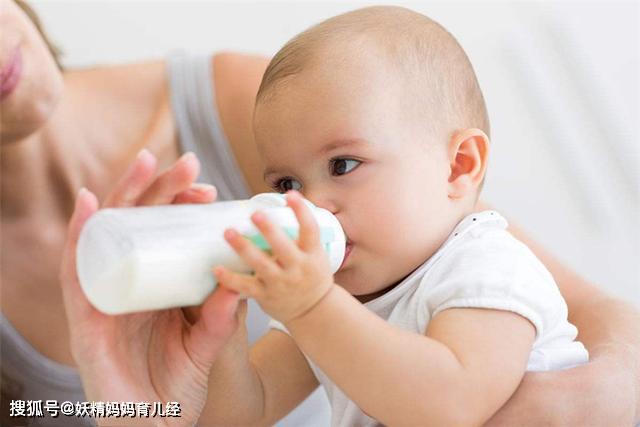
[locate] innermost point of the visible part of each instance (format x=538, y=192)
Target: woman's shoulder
x=236, y=81
x=240, y=67
x=135, y=99
x=236, y=71
x=236, y=78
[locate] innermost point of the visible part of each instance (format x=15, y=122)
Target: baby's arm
x=463, y=370
x=260, y=387
x=600, y=392
x=397, y=376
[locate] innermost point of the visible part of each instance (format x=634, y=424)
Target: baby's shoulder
x=486, y=261
x=488, y=245
x=487, y=267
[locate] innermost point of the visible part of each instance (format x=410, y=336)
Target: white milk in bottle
x=149, y=258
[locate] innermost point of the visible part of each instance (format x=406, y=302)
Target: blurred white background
x=561, y=80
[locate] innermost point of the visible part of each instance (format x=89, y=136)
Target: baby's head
x=377, y=116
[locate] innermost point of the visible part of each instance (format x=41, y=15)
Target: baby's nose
x=322, y=200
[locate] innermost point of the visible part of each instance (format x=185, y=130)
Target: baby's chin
x=363, y=291
x=366, y=297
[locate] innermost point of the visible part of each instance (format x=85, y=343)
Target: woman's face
x=30, y=81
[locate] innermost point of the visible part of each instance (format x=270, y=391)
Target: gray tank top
x=28, y=375
x=194, y=107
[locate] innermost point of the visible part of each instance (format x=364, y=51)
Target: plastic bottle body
x=148, y=258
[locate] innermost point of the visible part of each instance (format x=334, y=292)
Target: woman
x=56, y=139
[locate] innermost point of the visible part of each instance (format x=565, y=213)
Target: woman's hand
x=599, y=393
x=157, y=356
x=298, y=275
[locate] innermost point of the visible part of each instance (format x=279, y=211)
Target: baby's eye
x=343, y=166
x=285, y=184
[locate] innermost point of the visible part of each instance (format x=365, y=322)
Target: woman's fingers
x=86, y=205
x=134, y=182
x=214, y=326
x=282, y=246
x=309, y=232
x=197, y=193
x=140, y=187
x=175, y=180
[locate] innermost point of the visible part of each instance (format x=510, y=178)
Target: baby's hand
x=295, y=278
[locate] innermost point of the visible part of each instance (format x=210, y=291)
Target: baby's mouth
x=347, y=251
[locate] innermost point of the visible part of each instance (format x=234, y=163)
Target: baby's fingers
x=260, y=262
x=309, y=231
x=282, y=247
x=241, y=283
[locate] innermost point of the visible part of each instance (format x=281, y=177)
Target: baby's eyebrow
x=271, y=171
x=266, y=173
x=341, y=143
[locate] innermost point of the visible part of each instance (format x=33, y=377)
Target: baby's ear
x=468, y=152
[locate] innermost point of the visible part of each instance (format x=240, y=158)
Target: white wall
x=560, y=79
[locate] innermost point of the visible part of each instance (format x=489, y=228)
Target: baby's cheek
x=388, y=228
x=404, y=233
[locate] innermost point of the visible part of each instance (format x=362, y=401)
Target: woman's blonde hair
x=33, y=16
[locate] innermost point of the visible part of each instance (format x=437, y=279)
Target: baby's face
x=345, y=139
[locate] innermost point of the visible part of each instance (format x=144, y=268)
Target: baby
x=437, y=311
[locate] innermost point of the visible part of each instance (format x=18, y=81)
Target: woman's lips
x=10, y=73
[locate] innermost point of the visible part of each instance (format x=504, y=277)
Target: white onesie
x=480, y=265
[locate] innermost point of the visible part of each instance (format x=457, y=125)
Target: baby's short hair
x=428, y=56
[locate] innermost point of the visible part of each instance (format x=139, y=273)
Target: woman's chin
x=14, y=132
x=21, y=119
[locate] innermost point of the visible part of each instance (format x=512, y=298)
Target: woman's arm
x=606, y=391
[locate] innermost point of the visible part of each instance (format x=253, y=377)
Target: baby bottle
x=148, y=258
